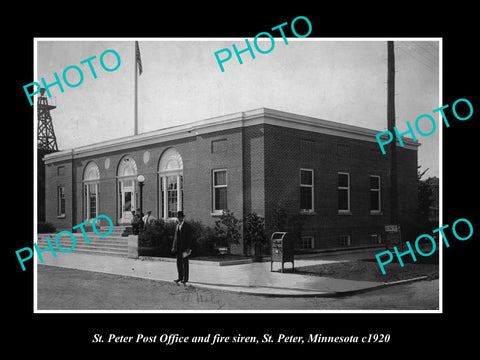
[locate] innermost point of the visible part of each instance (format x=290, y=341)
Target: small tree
x=203, y=239
x=254, y=232
x=282, y=222
x=425, y=195
x=228, y=229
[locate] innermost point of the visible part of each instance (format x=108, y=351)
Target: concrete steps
x=121, y=230
x=113, y=245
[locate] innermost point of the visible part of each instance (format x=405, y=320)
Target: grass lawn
x=369, y=271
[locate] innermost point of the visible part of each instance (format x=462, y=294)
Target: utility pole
x=390, y=125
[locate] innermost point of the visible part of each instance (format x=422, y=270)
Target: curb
x=266, y=291
x=385, y=284
x=296, y=292
x=199, y=262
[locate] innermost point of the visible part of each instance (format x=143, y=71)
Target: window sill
x=376, y=213
x=307, y=212
x=344, y=212
x=61, y=216
x=216, y=213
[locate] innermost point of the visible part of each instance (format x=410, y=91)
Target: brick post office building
x=333, y=174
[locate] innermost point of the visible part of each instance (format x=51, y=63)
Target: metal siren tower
x=46, y=134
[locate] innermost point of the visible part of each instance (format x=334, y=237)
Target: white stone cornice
x=222, y=123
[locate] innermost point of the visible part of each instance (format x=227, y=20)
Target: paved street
x=71, y=289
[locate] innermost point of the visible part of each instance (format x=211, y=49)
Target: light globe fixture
x=141, y=182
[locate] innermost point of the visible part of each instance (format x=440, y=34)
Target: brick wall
x=263, y=165
x=289, y=150
x=199, y=160
x=253, y=170
x=56, y=178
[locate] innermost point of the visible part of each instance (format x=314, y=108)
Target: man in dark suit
x=136, y=222
x=182, y=246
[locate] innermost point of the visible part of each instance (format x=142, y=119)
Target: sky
x=341, y=80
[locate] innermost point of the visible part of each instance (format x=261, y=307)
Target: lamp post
x=141, y=182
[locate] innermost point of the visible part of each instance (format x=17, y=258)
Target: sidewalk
x=252, y=278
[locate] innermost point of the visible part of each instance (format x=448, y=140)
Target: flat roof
x=225, y=122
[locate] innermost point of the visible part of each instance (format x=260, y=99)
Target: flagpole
x=136, y=89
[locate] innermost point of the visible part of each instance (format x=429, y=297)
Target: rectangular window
x=60, y=170
x=180, y=189
x=162, y=198
x=306, y=190
x=93, y=200
x=61, y=201
x=306, y=242
x=90, y=200
x=219, y=190
x=343, y=192
x=375, y=194
x=120, y=190
x=127, y=204
x=344, y=240
x=172, y=196
x=85, y=202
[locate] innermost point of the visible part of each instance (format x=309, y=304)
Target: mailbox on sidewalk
x=283, y=247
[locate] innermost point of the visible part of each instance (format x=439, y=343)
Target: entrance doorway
x=127, y=189
x=127, y=200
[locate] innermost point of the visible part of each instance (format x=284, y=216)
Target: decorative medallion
x=146, y=156
x=107, y=163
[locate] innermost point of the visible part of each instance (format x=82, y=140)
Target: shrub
x=280, y=221
x=227, y=229
x=149, y=236
x=45, y=227
x=158, y=234
x=205, y=242
x=197, y=229
x=254, y=232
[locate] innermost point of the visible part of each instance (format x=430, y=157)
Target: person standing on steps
x=136, y=222
x=148, y=219
x=182, y=246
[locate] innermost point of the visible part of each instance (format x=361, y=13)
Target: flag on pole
x=138, y=58
x=138, y=64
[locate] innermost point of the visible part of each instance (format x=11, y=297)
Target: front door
x=127, y=200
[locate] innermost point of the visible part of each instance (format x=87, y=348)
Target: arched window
x=91, y=181
x=127, y=194
x=127, y=167
x=170, y=177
